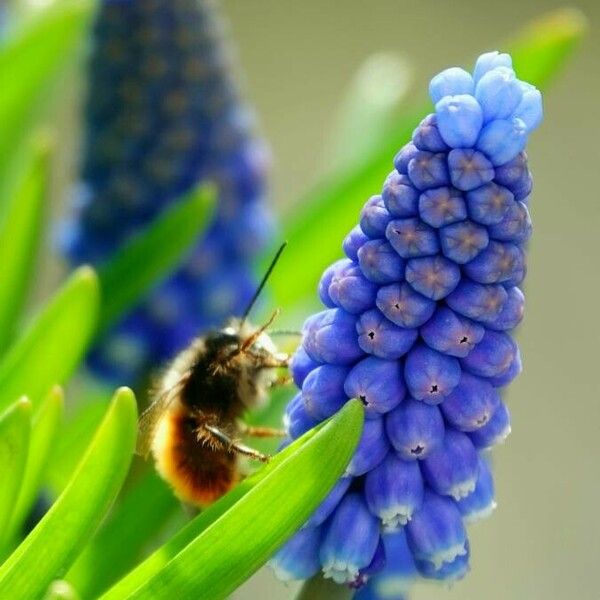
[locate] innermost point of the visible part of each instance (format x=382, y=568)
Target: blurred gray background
x=543, y=542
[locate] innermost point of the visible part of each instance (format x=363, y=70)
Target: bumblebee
x=193, y=426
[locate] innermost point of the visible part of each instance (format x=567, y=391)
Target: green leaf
x=50, y=548
x=74, y=437
x=30, y=62
x=153, y=254
x=52, y=347
x=327, y=214
x=15, y=426
x=44, y=431
x=368, y=108
x=118, y=546
x=229, y=541
x=541, y=49
x=20, y=232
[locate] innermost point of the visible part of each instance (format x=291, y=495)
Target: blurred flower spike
x=417, y=325
x=163, y=114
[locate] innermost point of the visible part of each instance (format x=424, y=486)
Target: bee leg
x=275, y=363
x=281, y=381
x=233, y=445
x=260, y=432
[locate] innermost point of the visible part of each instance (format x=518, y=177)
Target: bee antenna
x=263, y=283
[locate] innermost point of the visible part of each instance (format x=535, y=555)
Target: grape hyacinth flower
x=418, y=325
x=163, y=113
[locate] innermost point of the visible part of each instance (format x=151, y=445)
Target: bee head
x=257, y=356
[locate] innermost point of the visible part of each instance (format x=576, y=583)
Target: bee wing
x=151, y=416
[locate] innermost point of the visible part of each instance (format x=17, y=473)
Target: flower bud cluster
x=163, y=114
x=417, y=325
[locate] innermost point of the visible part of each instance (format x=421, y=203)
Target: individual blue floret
x=411, y=238
x=402, y=305
x=399, y=195
x=394, y=490
x=352, y=291
x=459, y=120
x=451, y=334
x=353, y=242
x=436, y=534
x=427, y=135
x=428, y=170
x=480, y=503
x=350, y=542
x=495, y=431
x=296, y=420
x=469, y=169
x=415, y=429
x=394, y=580
x=379, y=262
x=441, y=206
x=299, y=557
x=377, y=383
x=301, y=365
x=377, y=335
x=429, y=374
x=471, y=404
x=451, y=469
x=332, y=338
x=433, y=276
x=374, y=217
x=451, y=82
x=492, y=356
x=462, y=242
x=323, y=390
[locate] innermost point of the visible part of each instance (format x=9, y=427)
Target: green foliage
x=50, y=548
x=134, y=523
x=20, y=231
x=330, y=211
x=153, y=254
x=30, y=62
x=52, y=347
x=75, y=435
x=15, y=428
x=44, y=431
x=236, y=535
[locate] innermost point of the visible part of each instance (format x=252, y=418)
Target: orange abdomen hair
x=198, y=473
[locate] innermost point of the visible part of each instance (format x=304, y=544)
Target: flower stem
x=318, y=588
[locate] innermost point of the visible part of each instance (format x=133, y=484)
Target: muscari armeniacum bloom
x=163, y=113
x=417, y=325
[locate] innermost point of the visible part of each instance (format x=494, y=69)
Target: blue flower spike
x=163, y=114
x=419, y=327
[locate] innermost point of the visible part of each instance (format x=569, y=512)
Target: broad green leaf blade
x=52, y=347
x=118, y=545
x=244, y=537
x=75, y=435
x=163, y=555
x=51, y=547
x=15, y=427
x=20, y=232
x=30, y=62
x=44, y=431
x=327, y=214
x=153, y=254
